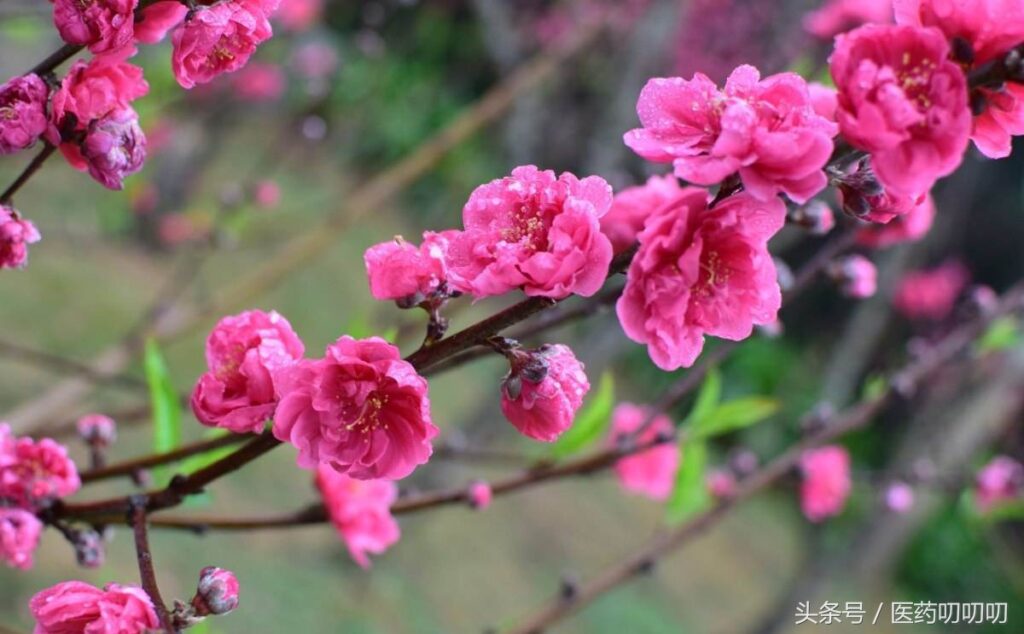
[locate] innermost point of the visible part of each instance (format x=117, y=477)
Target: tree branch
x=130, y=467
x=137, y=519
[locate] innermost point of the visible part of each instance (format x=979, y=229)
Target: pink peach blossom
x=217, y=39
x=33, y=472
x=360, y=511
x=19, y=537
x=857, y=276
x=899, y=497
x=242, y=353
x=931, y=294
x=400, y=270
x=701, y=271
x=999, y=481
x=114, y=147
x=904, y=101
x=767, y=131
x=535, y=231
x=97, y=429
x=22, y=112
x=988, y=29
x=300, y=15
x=826, y=482
x=75, y=607
x=651, y=472
x=480, y=495
x=158, y=19
x=908, y=226
x=101, y=25
x=260, y=82
x=543, y=409
x=816, y=216
x=632, y=206
x=361, y=409
x=217, y=592
x=838, y=16
x=824, y=99
x=16, y=233
x=94, y=89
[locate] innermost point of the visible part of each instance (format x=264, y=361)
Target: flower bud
x=480, y=495
x=856, y=275
x=89, y=549
x=97, y=429
x=217, y=592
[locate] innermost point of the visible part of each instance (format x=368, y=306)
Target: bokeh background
x=267, y=197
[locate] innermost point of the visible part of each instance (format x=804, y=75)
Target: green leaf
x=164, y=404
x=1001, y=334
x=690, y=495
x=707, y=398
x=591, y=422
x=874, y=387
x=734, y=415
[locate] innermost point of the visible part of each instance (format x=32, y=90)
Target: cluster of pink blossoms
x=32, y=474
x=360, y=511
x=71, y=607
x=826, y=482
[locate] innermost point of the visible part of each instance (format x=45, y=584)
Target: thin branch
x=131, y=467
x=137, y=519
x=65, y=365
x=27, y=173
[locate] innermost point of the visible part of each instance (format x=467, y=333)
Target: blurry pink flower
x=904, y=101
x=299, y=15
x=1001, y=480
x=97, y=429
x=315, y=60
x=701, y=271
x=988, y=29
x=543, y=409
x=114, y=147
x=839, y=16
x=19, y=537
x=766, y=130
x=905, y=227
x=75, y=607
x=242, y=353
x=101, y=25
x=94, y=89
x=480, y=495
x=721, y=483
x=931, y=294
x=16, y=234
x=260, y=82
x=899, y=497
x=22, y=112
x=217, y=39
x=857, y=276
x=651, y=472
x=159, y=18
x=179, y=228
x=217, y=592
x=816, y=216
x=266, y=194
x=826, y=482
x=32, y=472
x=633, y=205
x=536, y=231
x=361, y=409
x=360, y=511
x=400, y=270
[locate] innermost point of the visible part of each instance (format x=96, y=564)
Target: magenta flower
x=32, y=472
x=19, y=537
x=857, y=276
x=97, y=429
x=633, y=205
x=701, y=271
x=931, y=294
x=826, y=482
x=400, y=270
x=217, y=592
x=480, y=495
x=75, y=607
x=839, y=16
x=16, y=233
x=361, y=409
x=159, y=18
x=651, y=472
x=907, y=226
x=766, y=130
x=114, y=147
x=987, y=29
x=904, y=101
x=535, y=231
x=242, y=353
x=217, y=39
x=543, y=409
x=94, y=89
x=101, y=25
x=999, y=481
x=360, y=511
x=22, y=112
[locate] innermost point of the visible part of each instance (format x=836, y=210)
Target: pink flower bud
x=999, y=481
x=16, y=234
x=826, y=482
x=651, y=472
x=114, y=147
x=400, y=270
x=480, y=495
x=360, y=511
x=217, y=592
x=19, y=537
x=101, y=25
x=75, y=607
x=721, y=483
x=816, y=217
x=32, y=472
x=22, y=112
x=545, y=408
x=903, y=222
x=899, y=497
x=97, y=429
x=266, y=194
x=90, y=551
x=857, y=276
x=217, y=39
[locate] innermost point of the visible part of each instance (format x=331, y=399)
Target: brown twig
x=27, y=173
x=136, y=517
x=65, y=365
x=131, y=467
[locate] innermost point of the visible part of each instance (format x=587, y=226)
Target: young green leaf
x=734, y=415
x=1002, y=334
x=707, y=398
x=164, y=403
x=690, y=495
x=591, y=421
